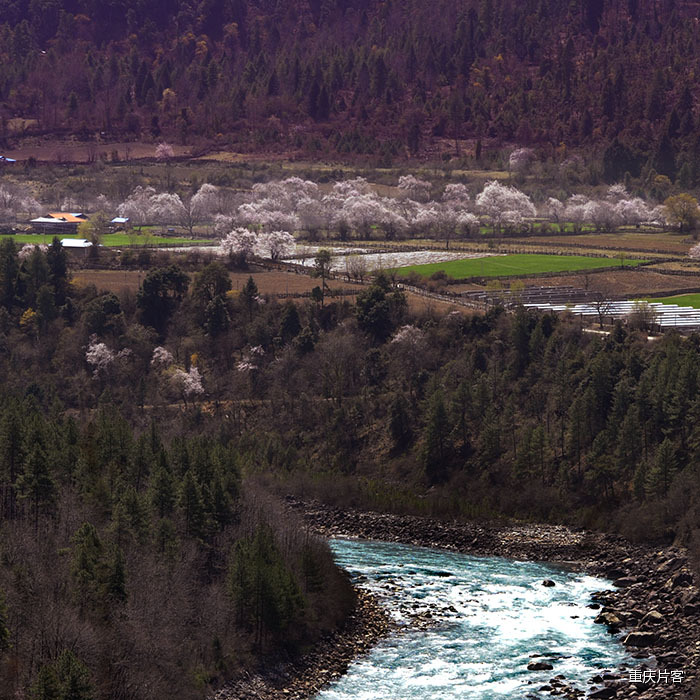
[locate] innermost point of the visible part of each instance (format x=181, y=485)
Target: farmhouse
x=58, y=223
x=120, y=223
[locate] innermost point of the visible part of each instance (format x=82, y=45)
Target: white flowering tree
x=633, y=211
x=555, y=211
x=164, y=152
x=575, y=210
x=313, y=216
x=98, y=356
x=15, y=200
x=27, y=249
x=278, y=206
x=239, y=244
x=188, y=384
x=274, y=245
x=617, y=193
x=251, y=359
x=504, y=204
x=101, y=358
x=412, y=187
x=146, y=206
x=137, y=206
x=601, y=214
x=161, y=358
x=457, y=196
x=520, y=159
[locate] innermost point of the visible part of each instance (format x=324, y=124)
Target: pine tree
x=115, y=578
x=74, y=677
x=658, y=478
x=36, y=483
x=162, y=492
x=87, y=553
x=400, y=422
x=191, y=505
x=249, y=296
x=12, y=455
x=57, y=260
x=46, y=686
x=436, y=444
x=4, y=630
x=290, y=326
x=9, y=269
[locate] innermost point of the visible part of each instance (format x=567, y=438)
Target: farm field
x=530, y=244
x=272, y=283
x=514, y=265
x=668, y=242
x=58, y=151
x=267, y=282
x=680, y=299
x=631, y=282
x=109, y=240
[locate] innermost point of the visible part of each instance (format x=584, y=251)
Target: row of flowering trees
x=355, y=206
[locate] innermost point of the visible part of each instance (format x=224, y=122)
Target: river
x=468, y=626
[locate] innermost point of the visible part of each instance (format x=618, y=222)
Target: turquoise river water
x=469, y=626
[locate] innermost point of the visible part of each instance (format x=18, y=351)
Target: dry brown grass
x=267, y=282
x=110, y=280
x=665, y=241
x=72, y=152
x=623, y=282
x=272, y=283
x=426, y=306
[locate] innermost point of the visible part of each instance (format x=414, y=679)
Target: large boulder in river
x=608, y=618
x=640, y=639
x=539, y=666
x=548, y=583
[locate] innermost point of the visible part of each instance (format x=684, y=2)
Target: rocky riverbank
x=655, y=607
x=329, y=659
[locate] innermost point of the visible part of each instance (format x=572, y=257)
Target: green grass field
x=681, y=299
x=514, y=265
x=110, y=239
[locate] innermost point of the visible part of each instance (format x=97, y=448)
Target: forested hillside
x=390, y=79
x=138, y=433
x=135, y=561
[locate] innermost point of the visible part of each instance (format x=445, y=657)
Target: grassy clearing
x=110, y=240
x=514, y=265
x=680, y=299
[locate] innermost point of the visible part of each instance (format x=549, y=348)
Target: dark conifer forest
x=390, y=79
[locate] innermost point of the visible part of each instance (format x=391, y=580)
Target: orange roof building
x=67, y=217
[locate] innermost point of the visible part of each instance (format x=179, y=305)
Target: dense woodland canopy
x=139, y=432
x=359, y=76
x=134, y=560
